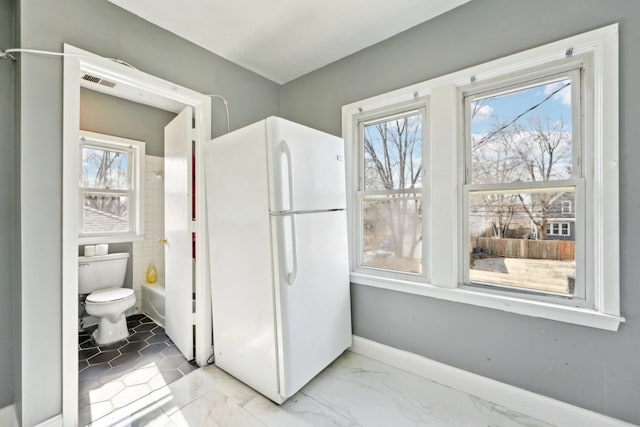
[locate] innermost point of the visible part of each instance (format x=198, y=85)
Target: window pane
x=393, y=153
x=105, y=213
x=105, y=169
x=392, y=232
x=522, y=135
x=511, y=245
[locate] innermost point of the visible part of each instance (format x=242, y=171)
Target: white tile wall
x=148, y=250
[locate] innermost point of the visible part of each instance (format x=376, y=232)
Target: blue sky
x=507, y=106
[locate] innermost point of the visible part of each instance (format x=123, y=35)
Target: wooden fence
x=562, y=250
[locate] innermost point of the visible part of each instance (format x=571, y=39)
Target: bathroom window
x=110, y=187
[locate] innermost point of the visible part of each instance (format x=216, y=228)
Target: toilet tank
x=102, y=271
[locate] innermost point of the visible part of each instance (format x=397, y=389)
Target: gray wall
x=119, y=117
x=102, y=28
x=591, y=368
x=7, y=208
x=587, y=367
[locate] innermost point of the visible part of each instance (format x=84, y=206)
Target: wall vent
x=97, y=80
x=107, y=83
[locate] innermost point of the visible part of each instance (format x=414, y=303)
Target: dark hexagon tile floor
x=114, y=375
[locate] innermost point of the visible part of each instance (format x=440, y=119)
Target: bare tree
x=497, y=165
x=539, y=151
x=103, y=169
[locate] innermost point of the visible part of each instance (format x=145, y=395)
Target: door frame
x=76, y=61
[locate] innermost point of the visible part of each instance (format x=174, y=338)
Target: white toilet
x=102, y=277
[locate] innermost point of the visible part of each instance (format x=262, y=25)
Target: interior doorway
x=141, y=87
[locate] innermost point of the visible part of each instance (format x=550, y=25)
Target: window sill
x=574, y=315
x=90, y=240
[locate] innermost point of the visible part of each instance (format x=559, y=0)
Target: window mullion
x=109, y=191
x=535, y=186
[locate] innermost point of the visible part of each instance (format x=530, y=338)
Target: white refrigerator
x=279, y=258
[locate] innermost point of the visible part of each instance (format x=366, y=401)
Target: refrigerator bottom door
x=314, y=320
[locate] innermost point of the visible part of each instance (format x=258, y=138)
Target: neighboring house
x=561, y=219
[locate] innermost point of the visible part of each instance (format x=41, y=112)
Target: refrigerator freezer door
x=307, y=168
x=315, y=313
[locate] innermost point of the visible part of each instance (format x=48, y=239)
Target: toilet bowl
x=102, y=278
x=109, y=306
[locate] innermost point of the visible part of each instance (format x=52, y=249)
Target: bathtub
x=152, y=305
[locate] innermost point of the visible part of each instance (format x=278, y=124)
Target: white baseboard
x=534, y=405
x=8, y=416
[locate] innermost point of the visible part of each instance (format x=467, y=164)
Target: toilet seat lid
x=109, y=294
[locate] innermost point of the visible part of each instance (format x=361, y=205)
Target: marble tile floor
x=353, y=391
x=115, y=375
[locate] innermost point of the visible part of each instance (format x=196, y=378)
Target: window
x=110, y=187
x=558, y=229
x=390, y=208
x=517, y=205
x=523, y=151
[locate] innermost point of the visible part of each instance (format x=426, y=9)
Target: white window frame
x=135, y=192
x=417, y=106
x=445, y=168
x=566, y=207
x=577, y=69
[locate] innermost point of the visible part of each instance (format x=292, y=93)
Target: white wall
x=148, y=250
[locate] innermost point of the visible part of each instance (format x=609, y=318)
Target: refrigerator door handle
x=291, y=276
x=284, y=147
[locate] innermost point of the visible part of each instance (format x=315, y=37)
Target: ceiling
x=285, y=39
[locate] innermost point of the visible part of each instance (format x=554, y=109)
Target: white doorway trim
x=82, y=61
